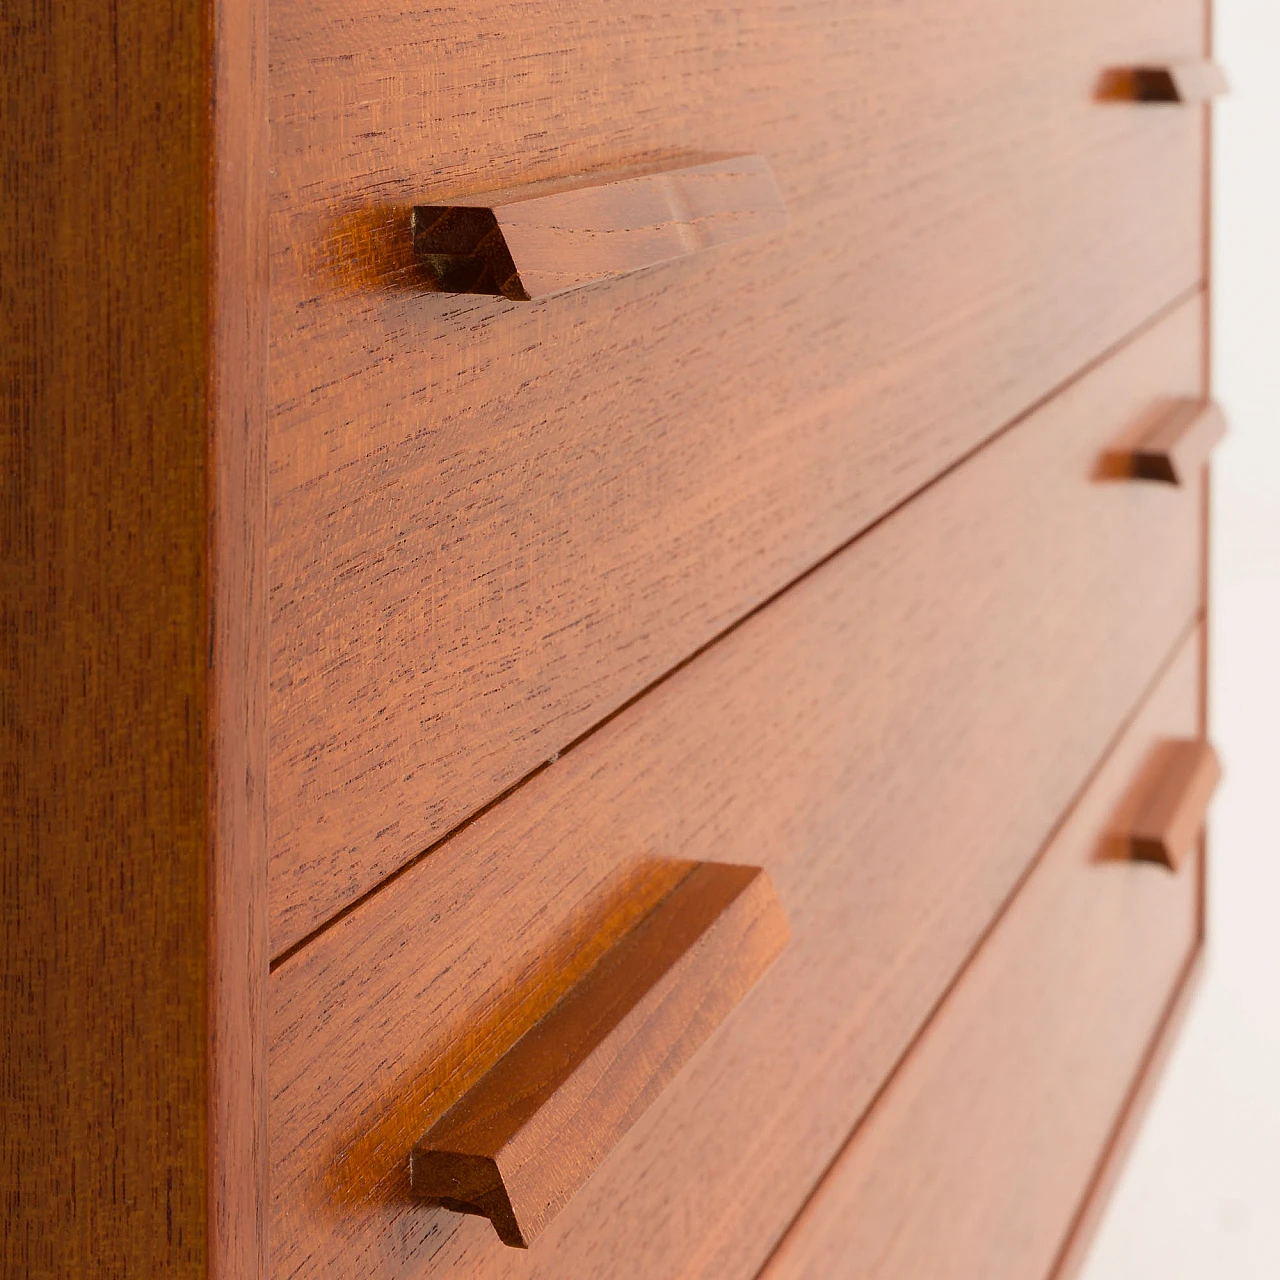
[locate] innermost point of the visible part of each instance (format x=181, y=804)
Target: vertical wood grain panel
x=238, y=744
x=132, y=778
x=106, y=635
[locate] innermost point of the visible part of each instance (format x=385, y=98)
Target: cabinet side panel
x=106, y=575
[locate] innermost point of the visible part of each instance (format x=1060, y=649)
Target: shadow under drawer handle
x=1190, y=83
x=532, y=1130
x=1171, y=814
x=1179, y=445
x=541, y=240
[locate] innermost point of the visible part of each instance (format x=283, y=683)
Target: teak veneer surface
x=974, y=1162
x=493, y=522
x=891, y=739
x=1167, y=826
x=1177, y=449
x=521, y=1142
x=1184, y=83
x=133, y=679
x=548, y=238
x=1074, y=1257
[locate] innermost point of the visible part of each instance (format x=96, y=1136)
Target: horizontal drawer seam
x=1028, y=871
x=1073, y=1251
x=1101, y=359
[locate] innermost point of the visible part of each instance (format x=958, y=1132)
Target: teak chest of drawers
x=606, y=617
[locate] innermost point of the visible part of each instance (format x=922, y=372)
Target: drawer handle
x=534, y=242
x=1179, y=445
x=1190, y=83
x=1169, y=817
x=518, y=1144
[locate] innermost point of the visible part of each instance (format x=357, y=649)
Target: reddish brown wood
x=1171, y=802
x=492, y=523
x=1178, y=448
x=1075, y=1249
x=236, y=651
x=973, y=1161
x=1189, y=83
x=526, y=1136
x=891, y=739
x=133, y=624
x=539, y=241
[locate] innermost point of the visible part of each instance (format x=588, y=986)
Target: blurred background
x=1200, y=1197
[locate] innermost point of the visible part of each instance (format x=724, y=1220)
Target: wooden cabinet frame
x=133, y=618
x=133, y=705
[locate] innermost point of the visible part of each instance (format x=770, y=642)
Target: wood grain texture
x=1171, y=803
x=1178, y=448
x=237, y=654
x=1075, y=1250
x=891, y=739
x=543, y=240
x=132, y=619
x=493, y=523
x=526, y=1136
x=973, y=1162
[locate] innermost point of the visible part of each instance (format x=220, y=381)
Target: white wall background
x=1200, y=1198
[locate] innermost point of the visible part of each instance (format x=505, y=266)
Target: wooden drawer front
x=977, y=1157
x=493, y=522
x=891, y=740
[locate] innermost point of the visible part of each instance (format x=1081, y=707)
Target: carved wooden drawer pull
x=1190, y=83
x=1178, y=446
x=534, y=1128
x=1170, y=815
x=541, y=240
